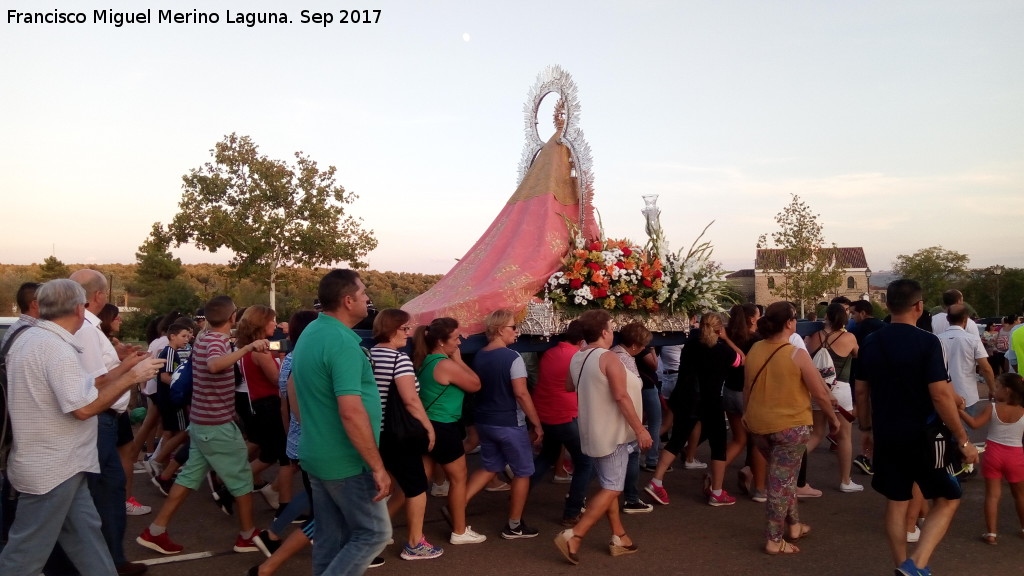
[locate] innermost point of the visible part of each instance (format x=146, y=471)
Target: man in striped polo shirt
x=216, y=442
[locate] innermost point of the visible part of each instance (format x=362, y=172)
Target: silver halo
x=555, y=79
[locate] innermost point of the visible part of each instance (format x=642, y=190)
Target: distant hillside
x=296, y=287
x=883, y=278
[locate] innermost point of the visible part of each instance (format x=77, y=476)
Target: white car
x=5, y=323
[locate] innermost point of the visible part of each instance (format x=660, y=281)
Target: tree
x=935, y=268
x=156, y=264
x=995, y=295
x=53, y=269
x=808, y=268
x=269, y=213
x=159, y=276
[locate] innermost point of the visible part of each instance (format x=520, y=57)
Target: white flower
x=583, y=295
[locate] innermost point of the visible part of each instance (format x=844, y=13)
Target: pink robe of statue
x=513, y=259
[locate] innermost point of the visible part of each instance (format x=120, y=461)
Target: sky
x=900, y=123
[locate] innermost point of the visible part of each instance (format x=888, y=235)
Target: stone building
x=755, y=285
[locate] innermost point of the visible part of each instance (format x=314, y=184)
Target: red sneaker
x=245, y=544
x=161, y=543
x=722, y=499
x=658, y=493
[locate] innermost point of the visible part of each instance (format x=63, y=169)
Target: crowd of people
x=341, y=437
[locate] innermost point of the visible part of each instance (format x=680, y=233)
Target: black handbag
x=399, y=424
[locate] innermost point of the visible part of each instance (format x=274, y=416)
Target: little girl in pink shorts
x=1004, y=453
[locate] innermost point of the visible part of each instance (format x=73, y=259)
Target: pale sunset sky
x=901, y=123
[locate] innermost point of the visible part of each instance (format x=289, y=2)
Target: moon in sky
x=465, y=37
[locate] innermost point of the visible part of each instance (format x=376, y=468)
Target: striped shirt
x=294, y=429
x=213, y=395
x=389, y=364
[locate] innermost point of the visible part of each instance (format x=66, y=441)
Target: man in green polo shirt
x=341, y=416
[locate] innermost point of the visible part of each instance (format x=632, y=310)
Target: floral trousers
x=784, y=451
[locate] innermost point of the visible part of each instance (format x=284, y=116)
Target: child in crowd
x=1004, y=456
x=175, y=422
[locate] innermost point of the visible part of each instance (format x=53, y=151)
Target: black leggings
x=712, y=425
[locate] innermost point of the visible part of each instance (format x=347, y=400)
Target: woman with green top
x=444, y=379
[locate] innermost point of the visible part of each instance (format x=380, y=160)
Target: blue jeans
x=631, y=493
x=568, y=435
x=351, y=528
x=65, y=514
x=652, y=421
x=107, y=487
x=297, y=507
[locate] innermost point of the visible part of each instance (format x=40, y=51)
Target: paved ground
x=686, y=537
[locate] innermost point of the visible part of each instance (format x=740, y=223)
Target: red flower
x=620, y=265
x=602, y=293
x=658, y=274
x=626, y=251
x=575, y=283
x=627, y=299
x=594, y=266
x=648, y=283
x=595, y=246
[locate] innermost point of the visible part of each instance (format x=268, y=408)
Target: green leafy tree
x=156, y=265
x=159, y=276
x=806, y=265
x=935, y=268
x=992, y=294
x=269, y=213
x=52, y=269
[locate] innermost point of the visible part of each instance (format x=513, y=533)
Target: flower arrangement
x=696, y=282
x=610, y=274
x=617, y=275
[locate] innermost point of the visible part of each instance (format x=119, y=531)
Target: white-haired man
x=53, y=405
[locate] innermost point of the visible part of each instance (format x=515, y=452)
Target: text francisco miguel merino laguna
x=119, y=19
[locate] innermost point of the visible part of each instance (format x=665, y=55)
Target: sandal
x=804, y=530
x=784, y=548
x=562, y=542
x=617, y=548
x=989, y=538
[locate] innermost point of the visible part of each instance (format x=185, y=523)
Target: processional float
x=545, y=257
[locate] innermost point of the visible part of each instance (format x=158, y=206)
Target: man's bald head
x=958, y=315
x=95, y=285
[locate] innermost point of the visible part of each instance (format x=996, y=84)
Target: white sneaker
x=695, y=465
x=153, y=467
x=271, y=495
x=499, y=487
x=440, y=490
x=851, y=487
x=133, y=508
x=915, y=535
x=467, y=537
